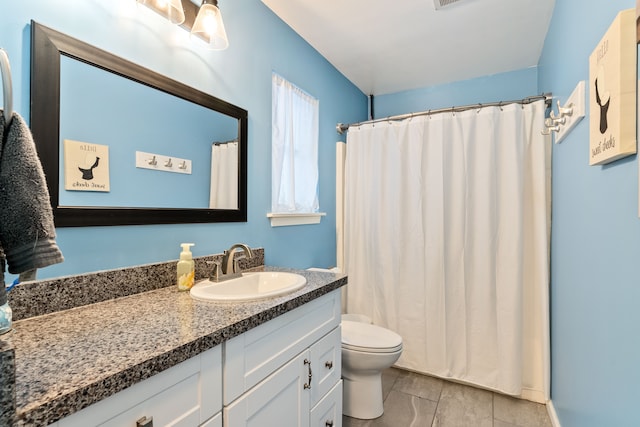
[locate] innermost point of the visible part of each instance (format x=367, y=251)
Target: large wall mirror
x=123, y=145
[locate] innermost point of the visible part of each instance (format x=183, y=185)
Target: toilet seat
x=358, y=336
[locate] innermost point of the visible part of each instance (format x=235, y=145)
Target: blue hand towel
x=27, y=231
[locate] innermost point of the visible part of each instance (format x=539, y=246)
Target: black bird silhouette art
x=87, y=174
x=604, y=109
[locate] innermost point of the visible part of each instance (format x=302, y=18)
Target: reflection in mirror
x=101, y=122
x=150, y=121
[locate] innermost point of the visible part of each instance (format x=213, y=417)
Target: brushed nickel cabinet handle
x=145, y=422
x=308, y=385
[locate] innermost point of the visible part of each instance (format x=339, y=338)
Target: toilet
x=367, y=350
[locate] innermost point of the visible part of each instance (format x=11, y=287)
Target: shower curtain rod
x=341, y=128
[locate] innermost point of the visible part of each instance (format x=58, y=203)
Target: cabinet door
x=326, y=362
x=214, y=422
x=252, y=356
x=280, y=400
x=328, y=412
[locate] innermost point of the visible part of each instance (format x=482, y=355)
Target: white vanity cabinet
x=188, y=394
x=286, y=372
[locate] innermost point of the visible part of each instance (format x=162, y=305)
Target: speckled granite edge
x=41, y=297
x=7, y=384
x=68, y=404
x=65, y=405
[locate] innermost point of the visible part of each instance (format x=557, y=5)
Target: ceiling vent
x=443, y=3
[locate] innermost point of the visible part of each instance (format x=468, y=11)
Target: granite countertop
x=67, y=360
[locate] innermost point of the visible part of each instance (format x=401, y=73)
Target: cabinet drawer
x=328, y=412
x=252, y=356
x=184, y=395
x=326, y=361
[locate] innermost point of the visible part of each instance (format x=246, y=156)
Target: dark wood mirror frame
x=47, y=46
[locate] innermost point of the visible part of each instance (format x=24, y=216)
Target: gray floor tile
x=389, y=377
x=419, y=385
x=415, y=400
x=521, y=413
x=405, y=410
x=462, y=406
x=354, y=422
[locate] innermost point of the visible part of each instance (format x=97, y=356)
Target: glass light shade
x=209, y=27
x=170, y=9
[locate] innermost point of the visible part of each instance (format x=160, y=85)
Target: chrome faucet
x=229, y=264
x=228, y=268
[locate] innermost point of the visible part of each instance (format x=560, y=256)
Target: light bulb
x=209, y=27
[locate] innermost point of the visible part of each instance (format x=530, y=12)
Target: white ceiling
x=391, y=46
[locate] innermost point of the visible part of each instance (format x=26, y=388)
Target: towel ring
x=5, y=70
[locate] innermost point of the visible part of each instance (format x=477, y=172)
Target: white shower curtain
x=447, y=229
x=223, y=192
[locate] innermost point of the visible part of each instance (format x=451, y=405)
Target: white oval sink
x=250, y=286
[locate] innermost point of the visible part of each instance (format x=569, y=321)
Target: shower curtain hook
x=479, y=107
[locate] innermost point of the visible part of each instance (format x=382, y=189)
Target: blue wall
x=259, y=44
x=595, y=286
x=498, y=87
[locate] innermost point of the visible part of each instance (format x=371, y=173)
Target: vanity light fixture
x=203, y=22
x=209, y=26
x=170, y=9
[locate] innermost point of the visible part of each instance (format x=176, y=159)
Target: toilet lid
x=360, y=336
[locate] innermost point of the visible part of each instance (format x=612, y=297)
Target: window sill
x=284, y=219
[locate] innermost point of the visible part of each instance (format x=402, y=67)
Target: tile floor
x=414, y=400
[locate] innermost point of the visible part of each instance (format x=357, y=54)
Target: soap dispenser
x=186, y=268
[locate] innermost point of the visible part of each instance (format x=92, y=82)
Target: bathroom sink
x=250, y=286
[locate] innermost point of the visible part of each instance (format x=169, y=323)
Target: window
x=294, y=150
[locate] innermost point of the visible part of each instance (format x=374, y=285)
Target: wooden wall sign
x=612, y=89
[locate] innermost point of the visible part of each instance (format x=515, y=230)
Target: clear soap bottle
x=186, y=268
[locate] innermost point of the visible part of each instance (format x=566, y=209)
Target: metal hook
x=152, y=161
x=183, y=165
x=479, y=108
x=168, y=163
